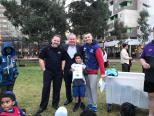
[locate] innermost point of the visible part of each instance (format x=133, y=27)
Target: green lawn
x=28, y=89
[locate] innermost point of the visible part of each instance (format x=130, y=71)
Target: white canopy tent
x=111, y=43
x=132, y=41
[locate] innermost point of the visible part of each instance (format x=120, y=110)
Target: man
x=125, y=59
x=94, y=62
x=71, y=48
x=147, y=61
x=50, y=60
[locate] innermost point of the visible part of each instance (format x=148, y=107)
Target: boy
x=78, y=82
x=8, y=68
x=127, y=109
x=7, y=105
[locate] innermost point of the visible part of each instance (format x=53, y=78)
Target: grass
x=28, y=90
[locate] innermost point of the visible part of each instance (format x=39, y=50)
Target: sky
x=151, y=12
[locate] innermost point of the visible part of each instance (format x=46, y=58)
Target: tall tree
x=39, y=19
x=119, y=30
x=143, y=25
x=89, y=16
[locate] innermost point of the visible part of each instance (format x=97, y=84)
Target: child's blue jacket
x=8, y=68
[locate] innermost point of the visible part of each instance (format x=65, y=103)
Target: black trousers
x=68, y=82
x=125, y=67
x=49, y=76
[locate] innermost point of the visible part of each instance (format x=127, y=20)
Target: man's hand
x=43, y=69
x=146, y=65
x=103, y=76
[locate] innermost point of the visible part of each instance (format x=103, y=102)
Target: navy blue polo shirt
x=148, y=55
x=53, y=58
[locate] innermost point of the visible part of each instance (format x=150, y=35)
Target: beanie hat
x=61, y=111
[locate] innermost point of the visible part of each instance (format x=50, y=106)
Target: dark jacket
x=8, y=68
x=71, y=61
x=53, y=58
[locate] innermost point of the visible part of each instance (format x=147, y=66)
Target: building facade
x=7, y=30
x=126, y=11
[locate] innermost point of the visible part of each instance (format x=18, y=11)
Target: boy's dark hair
x=127, y=109
x=88, y=113
x=9, y=94
x=77, y=54
x=124, y=45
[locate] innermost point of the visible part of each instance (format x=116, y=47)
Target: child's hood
x=8, y=45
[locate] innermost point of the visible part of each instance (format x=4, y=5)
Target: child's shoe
x=76, y=107
x=94, y=108
x=89, y=106
x=82, y=106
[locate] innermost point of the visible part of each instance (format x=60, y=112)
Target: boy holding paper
x=78, y=82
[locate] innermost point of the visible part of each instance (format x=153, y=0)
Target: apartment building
x=6, y=28
x=126, y=11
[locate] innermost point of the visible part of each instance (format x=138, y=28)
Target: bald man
x=71, y=48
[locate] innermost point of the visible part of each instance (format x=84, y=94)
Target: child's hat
x=9, y=94
x=61, y=111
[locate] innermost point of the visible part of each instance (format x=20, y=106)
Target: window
x=126, y=3
x=129, y=30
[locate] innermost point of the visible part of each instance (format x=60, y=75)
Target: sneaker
x=94, y=108
x=89, y=106
x=40, y=110
x=82, y=106
x=76, y=107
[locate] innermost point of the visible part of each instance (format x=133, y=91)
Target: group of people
x=78, y=65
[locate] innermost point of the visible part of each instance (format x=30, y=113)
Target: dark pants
x=48, y=76
x=68, y=82
x=125, y=67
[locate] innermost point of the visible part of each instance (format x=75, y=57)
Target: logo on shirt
x=150, y=50
x=84, y=49
x=91, y=50
x=59, y=52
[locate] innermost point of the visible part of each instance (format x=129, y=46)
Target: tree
x=143, y=25
x=89, y=16
x=119, y=30
x=39, y=19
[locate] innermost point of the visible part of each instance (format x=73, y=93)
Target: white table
x=126, y=87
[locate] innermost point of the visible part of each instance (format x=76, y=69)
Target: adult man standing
x=147, y=61
x=50, y=60
x=71, y=48
x=125, y=59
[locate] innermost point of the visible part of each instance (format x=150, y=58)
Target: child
x=127, y=109
x=8, y=68
x=78, y=82
x=8, y=107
